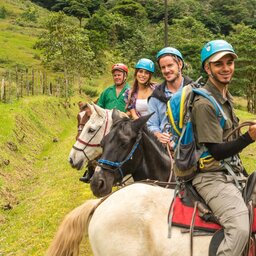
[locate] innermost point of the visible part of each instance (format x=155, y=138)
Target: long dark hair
x=135, y=85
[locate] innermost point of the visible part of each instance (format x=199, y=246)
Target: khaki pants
x=227, y=204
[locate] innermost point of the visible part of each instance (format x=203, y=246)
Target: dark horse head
x=130, y=148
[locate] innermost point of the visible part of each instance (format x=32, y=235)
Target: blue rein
x=118, y=165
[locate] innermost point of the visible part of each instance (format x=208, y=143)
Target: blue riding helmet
x=216, y=46
x=172, y=51
x=146, y=64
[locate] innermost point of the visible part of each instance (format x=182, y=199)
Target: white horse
x=87, y=146
x=131, y=221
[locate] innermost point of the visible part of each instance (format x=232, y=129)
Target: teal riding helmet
x=146, y=64
x=216, y=46
x=172, y=51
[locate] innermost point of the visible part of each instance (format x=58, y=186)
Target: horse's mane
x=154, y=138
x=121, y=123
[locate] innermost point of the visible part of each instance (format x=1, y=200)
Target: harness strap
x=191, y=230
x=251, y=220
x=104, y=133
x=172, y=162
x=88, y=143
x=171, y=211
x=231, y=172
x=120, y=164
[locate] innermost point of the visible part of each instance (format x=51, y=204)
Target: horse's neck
x=156, y=164
x=153, y=148
x=108, y=120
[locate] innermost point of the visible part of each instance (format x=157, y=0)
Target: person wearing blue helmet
x=136, y=97
x=220, y=180
x=171, y=63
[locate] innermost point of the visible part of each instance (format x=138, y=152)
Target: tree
x=129, y=8
x=243, y=39
x=189, y=40
x=65, y=48
x=76, y=8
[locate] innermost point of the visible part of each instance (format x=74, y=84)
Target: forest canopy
x=127, y=30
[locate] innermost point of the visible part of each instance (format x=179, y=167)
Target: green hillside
x=37, y=185
x=18, y=34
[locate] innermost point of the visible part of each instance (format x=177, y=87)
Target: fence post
x=26, y=81
x=21, y=84
x=17, y=83
x=33, y=81
x=2, y=90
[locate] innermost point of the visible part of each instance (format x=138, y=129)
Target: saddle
x=188, y=210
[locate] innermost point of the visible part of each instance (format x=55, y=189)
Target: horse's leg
x=72, y=230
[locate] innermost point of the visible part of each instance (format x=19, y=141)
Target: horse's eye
x=91, y=130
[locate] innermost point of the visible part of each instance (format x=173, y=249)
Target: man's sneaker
x=85, y=179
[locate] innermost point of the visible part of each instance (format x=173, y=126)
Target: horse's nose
x=70, y=160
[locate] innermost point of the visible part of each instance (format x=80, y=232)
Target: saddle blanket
x=182, y=216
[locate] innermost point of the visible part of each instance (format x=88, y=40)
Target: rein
x=237, y=130
x=106, y=164
x=90, y=144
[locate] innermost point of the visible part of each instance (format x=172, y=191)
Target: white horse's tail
x=72, y=230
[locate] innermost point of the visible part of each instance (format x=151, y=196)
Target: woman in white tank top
x=137, y=97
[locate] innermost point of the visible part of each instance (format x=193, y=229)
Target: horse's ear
x=137, y=124
x=88, y=105
x=100, y=111
x=115, y=115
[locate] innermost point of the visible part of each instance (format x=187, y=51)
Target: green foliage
x=3, y=12
x=65, y=46
x=155, y=10
x=192, y=35
x=76, y=8
x=113, y=28
x=129, y=8
x=126, y=30
x=30, y=14
x=243, y=39
x=90, y=91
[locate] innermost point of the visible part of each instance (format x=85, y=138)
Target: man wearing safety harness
x=171, y=63
x=222, y=175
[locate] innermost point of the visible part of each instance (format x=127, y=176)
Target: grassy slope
x=17, y=41
x=38, y=184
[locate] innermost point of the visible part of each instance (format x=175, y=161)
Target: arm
x=133, y=114
x=154, y=123
x=212, y=135
x=220, y=151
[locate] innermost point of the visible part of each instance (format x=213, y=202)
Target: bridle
x=88, y=144
x=107, y=165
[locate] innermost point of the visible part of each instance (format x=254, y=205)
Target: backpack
x=187, y=157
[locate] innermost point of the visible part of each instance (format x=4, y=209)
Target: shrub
x=90, y=91
x=3, y=12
